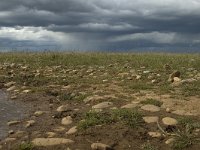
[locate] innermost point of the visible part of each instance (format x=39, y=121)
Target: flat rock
x=100, y=146
x=102, y=105
x=9, y=84
x=9, y=140
x=10, y=123
x=183, y=113
x=150, y=119
x=169, y=121
x=66, y=120
x=50, y=141
x=151, y=108
x=11, y=88
x=154, y=134
x=132, y=105
x=72, y=130
x=62, y=108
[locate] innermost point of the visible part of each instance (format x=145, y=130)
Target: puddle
x=9, y=110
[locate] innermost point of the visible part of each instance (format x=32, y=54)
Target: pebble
x=9, y=140
x=170, y=141
x=154, y=134
x=59, y=129
x=72, y=130
x=62, y=108
x=51, y=134
x=11, y=88
x=50, y=141
x=30, y=123
x=38, y=113
x=151, y=108
x=100, y=146
x=66, y=120
x=11, y=132
x=169, y=121
x=102, y=105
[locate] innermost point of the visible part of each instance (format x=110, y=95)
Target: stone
x=9, y=84
x=62, y=108
x=102, y=105
x=18, y=134
x=151, y=108
x=138, y=77
x=38, y=113
x=169, y=141
x=169, y=121
x=50, y=134
x=154, y=134
x=9, y=140
x=150, y=119
x=168, y=110
x=129, y=106
x=174, y=74
x=50, y=141
x=177, y=79
x=30, y=123
x=100, y=146
x=66, y=120
x=59, y=129
x=11, y=132
x=26, y=91
x=10, y=123
x=183, y=113
x=11, y=88
x=72, y=130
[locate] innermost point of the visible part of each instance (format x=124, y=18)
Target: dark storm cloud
x=97, y=24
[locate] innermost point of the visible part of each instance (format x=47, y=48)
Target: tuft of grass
x=26, y=146
x=93, y=118
x=130, y=117
x=152, y=101
x=65, y=96
x=148, y=146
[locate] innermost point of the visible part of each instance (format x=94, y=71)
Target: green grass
x=152, y=102
x=26, y=146
x=131, y=118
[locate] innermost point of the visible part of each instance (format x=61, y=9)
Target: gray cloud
x=100, y=24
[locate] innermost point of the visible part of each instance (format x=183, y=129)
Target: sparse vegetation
x=148, y=146
x=25, y=146
x=152, y=102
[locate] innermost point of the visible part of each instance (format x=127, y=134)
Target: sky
x=100, y=25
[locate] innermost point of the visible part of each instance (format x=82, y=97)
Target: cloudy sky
x=100, y=25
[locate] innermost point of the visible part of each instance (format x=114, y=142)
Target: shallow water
x=9, y=110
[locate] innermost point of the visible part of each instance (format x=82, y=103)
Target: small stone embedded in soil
x=170, y=141
x=38, y=113
x=59, y=129
x=66, y=120
x=169, y=121
x=176, y=79
x=183, y=113
x=168, y=110
x=100, y=146
x=72, y=130
x=50, y=141
x=9, y=140
x=151, y=108
x=10, y=123
x=130, y=106
x=11, y=88
x=18, y=134
x=154, y=134
x=150, y=119
x=63, y=108
x=30, y=123
x=11, y=132
x=51, y=134
x=9, y=84
x=102, y=105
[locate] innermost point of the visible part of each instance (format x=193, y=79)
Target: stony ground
x=103, y=101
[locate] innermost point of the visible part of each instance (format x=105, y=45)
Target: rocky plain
x=102, y=101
